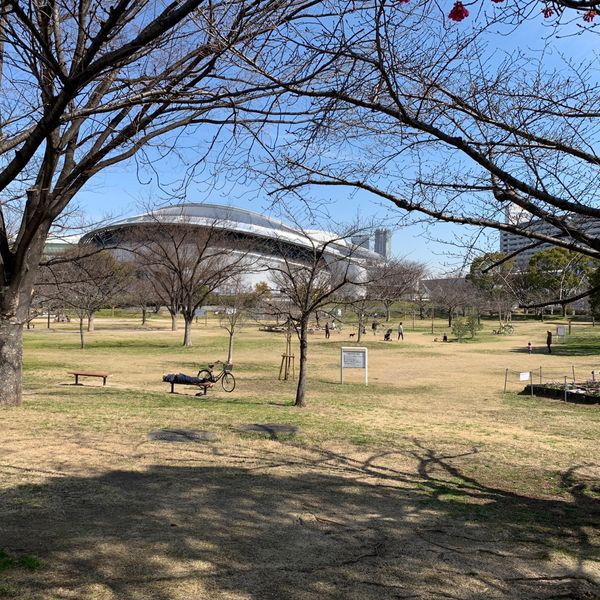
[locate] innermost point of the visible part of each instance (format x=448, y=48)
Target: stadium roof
x=233, y=219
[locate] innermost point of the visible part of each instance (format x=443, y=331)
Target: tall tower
x=383, y=243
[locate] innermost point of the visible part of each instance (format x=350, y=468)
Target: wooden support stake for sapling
x=540, y=375
x=565, y=388
x=505, y=380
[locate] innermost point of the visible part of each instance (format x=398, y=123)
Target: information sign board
x=354, y=358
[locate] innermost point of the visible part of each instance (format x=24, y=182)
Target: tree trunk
x=187, y=334
x=15, y=301
x=173, y=320
x=449, y=318
x=301, y=389
x=90, y=321
x=11, y=362
x=144, y=315
x=81, y=338
x=230, y=348
x=388, y=311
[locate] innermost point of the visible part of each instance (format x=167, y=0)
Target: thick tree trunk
x=449, y=318
x=388, y=310
x=15, y=301
x=144, y=315
x=11, y=362
x=301, y=389
x=90, y=321
x=187, y=333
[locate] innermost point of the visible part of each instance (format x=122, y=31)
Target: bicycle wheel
x=228, y=382
x=205, y=374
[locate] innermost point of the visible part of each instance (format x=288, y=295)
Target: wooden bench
x=79, y=374
x=205, y=385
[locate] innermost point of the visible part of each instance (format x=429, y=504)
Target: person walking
x=327, y=334
x=549, y=341
x=400, y=332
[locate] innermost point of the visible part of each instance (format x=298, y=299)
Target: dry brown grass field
x=428, y=483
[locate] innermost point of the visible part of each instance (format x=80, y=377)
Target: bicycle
x=224, y=376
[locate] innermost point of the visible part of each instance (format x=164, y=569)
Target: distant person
x=445, y=338
x=549, y=341
x=400, y=332
x=327, y=333
x=529, y=348
x=388, y=335
x=374, y=327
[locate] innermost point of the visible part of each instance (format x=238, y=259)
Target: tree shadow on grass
x=570, y=349
x=335, y=528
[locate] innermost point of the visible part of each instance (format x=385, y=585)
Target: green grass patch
x=22, y=561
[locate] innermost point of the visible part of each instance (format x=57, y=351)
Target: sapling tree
x=240, y=303
x=308, y=281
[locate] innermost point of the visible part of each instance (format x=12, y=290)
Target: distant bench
x=79, y=374
x=182, y=379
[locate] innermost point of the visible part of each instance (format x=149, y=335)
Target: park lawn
x=427, y=482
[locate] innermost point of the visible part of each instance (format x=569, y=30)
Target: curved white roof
x=236, y=219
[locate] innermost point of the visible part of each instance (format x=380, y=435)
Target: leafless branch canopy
x=438, y=124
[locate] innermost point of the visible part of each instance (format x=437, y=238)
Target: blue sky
x=118, y=192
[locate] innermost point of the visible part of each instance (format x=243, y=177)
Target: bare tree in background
x=308, y=281
x=449, y=294
x=140, y=293
x=394, y=279
x=85, y=85
x=186, y=264
x=493, y=278
x=85, y=285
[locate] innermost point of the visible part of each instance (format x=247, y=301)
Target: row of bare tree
x=385, y=97
x=183, y=267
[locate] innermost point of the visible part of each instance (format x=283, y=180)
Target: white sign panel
x=525, y=376
x=354, y=358
x=561, y=331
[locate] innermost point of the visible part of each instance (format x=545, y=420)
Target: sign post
x=354, y=358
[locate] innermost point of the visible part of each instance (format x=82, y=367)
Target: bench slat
x=88, y=374
x=79, y=374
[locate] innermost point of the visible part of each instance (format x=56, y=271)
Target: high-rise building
x=512, y=242
x=383, y=243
